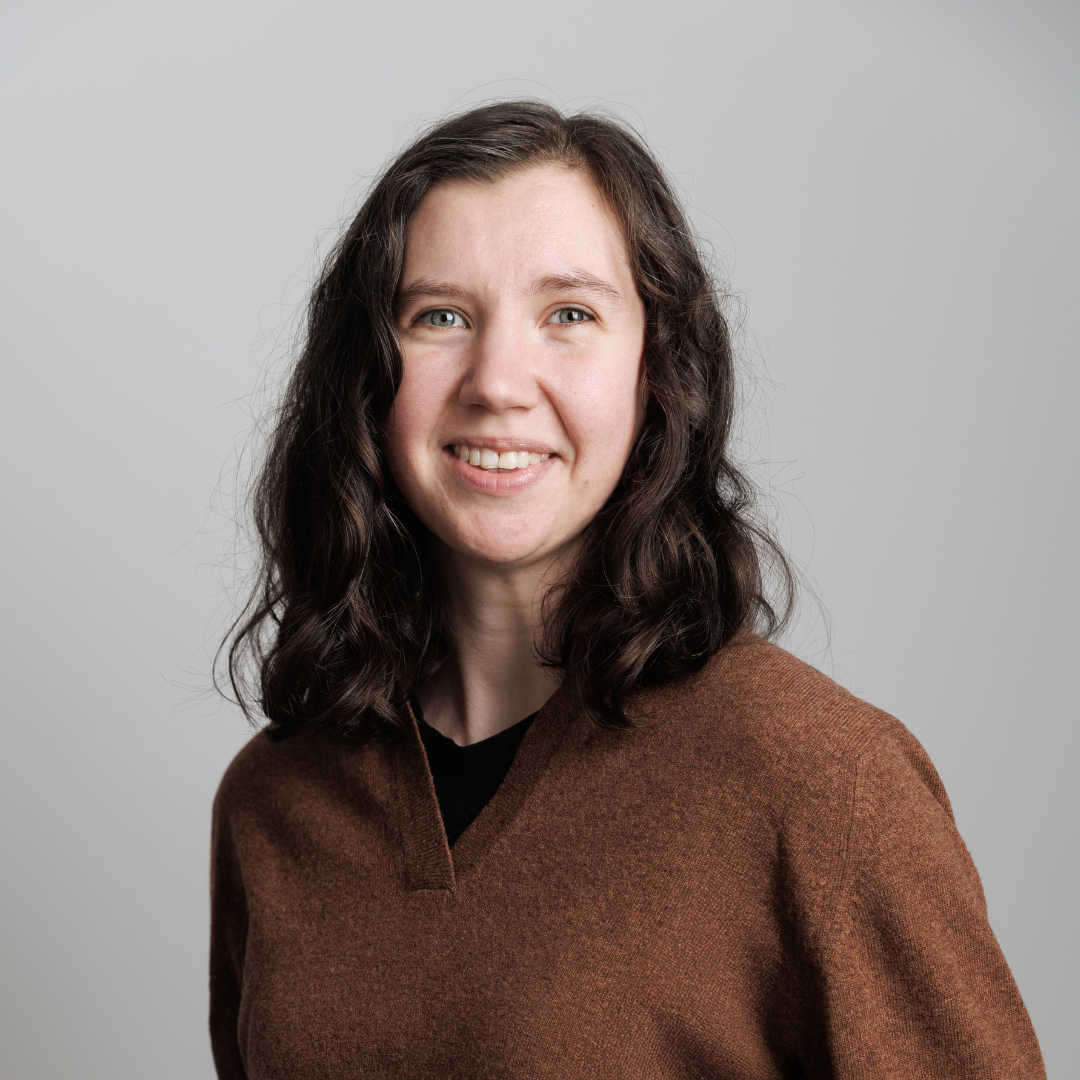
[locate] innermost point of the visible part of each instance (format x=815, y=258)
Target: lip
x=490, y=482
x=502, y=444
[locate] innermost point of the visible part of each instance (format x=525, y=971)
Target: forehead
x=536, y=220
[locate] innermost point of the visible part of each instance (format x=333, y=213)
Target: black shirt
x=466, y=777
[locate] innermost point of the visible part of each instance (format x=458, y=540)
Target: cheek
x=605, y=414
x=419, y=403
x=409, y=425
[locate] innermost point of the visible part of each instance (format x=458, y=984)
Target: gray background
x=893, y=190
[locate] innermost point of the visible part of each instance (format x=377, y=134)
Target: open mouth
x=493, y=461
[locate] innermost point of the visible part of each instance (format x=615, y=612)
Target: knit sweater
x=764, y=882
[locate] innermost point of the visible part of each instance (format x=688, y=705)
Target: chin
x=500, y=547
x=507, y=555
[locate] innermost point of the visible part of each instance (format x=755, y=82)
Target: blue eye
x=570, y=316
x=443, y=318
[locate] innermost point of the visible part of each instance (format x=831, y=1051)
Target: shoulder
x=757, y=696
x=759, y=710
x=266, y=774
x=246, y=770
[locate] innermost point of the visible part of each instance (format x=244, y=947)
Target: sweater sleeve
x=914, y=981
x=228, y=926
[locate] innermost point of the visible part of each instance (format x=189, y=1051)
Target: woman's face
x=522, y=336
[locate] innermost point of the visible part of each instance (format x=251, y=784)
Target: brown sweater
x=765, y=883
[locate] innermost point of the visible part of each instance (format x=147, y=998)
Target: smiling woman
x=540, y=357
x=536, y=796
x=528, y=359
x=513, y=275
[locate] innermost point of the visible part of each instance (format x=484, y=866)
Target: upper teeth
x=491, y=459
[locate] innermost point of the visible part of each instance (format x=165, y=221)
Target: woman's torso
x=708, y=896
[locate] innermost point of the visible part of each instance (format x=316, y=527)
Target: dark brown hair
x=346, y=618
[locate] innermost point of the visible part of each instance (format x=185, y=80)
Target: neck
x=491, y=678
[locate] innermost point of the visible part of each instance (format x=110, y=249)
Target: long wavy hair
x=346, y=617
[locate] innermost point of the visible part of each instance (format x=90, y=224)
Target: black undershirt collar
x=466, y=777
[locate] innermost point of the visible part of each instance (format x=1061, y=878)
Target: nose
x=501, y=372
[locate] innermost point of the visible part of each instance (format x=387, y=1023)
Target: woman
x=534, y=798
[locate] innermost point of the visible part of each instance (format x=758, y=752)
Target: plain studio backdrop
x=892, y=190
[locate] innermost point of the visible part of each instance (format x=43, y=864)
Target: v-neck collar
x=428, y=862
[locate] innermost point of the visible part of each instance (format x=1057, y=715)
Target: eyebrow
x=426, y=287
x=579, y=281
